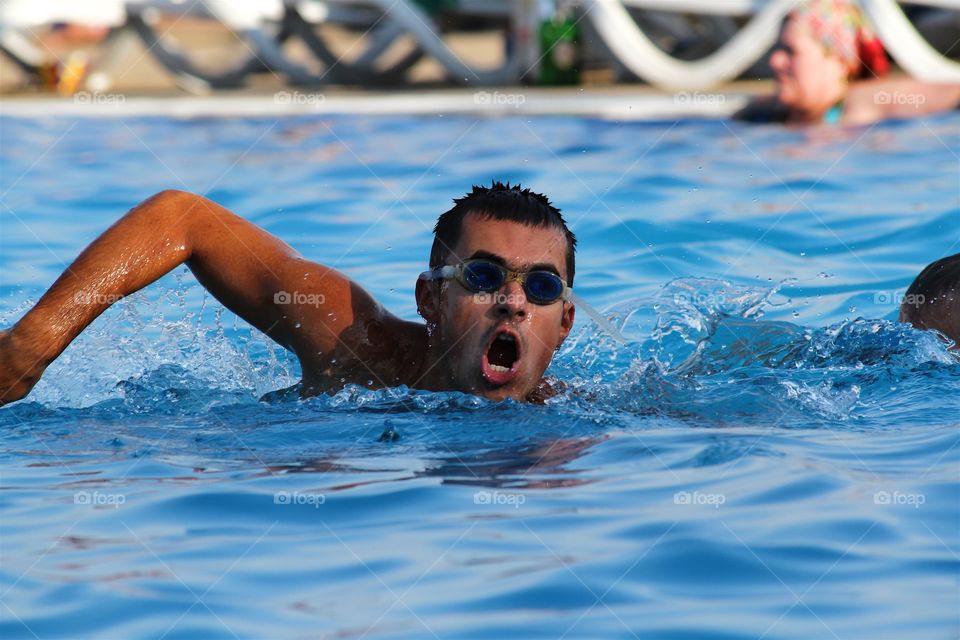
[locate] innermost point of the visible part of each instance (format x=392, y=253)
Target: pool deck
x=624, y=102
x=140, y=87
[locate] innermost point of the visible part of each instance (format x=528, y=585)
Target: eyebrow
x=492, y=257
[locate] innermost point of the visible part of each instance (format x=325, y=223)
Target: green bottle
x=436, y=7
x=559, y=49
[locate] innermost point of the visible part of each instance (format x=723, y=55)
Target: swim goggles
x=484, y=276
x=540, y=287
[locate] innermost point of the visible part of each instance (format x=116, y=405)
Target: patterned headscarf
x=844, y=31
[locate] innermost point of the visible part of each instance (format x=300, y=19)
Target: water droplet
x=803, y=253
x=296, y=325
x=796, y=314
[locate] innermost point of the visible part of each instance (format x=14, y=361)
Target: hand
x=17, y=373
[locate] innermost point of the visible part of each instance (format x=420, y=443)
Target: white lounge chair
x=368, y=65
x=264, y=26
x=254, y=22
x=634, y=50
x=908, y=48
x=406, y=17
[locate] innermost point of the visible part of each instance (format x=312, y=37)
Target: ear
x=428, y=301
x=566, y=321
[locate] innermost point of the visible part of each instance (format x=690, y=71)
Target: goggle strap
x=602, y=322
x=440, y=273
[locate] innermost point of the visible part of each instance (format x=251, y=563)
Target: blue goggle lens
x=541, y=287
x=483, y=276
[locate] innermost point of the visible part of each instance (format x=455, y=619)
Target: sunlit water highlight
x=771, y=455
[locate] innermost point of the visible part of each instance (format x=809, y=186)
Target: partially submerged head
x=497, y=344
x=933, y=300
x=824, y=45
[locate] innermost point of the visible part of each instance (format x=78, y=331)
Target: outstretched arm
x=254, y=274
x=890, y=98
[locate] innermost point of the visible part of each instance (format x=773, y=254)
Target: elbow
x=164, y=215
x=171, y=197
x=170, y=206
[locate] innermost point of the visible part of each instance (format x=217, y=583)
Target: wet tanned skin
x=340, y=334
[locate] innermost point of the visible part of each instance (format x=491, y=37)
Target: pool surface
x=770, y=456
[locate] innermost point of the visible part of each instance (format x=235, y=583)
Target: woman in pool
x=829, y=68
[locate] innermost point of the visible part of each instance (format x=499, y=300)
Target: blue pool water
x=771, y=455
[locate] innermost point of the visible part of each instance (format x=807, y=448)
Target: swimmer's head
x=823, y=46
x=504, y=203
x=498, y=343
x=933, y=300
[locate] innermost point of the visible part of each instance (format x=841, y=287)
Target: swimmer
x=933, y=300
x=829, y=69
x=497, y=299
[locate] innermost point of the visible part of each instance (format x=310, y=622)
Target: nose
x=511, y=301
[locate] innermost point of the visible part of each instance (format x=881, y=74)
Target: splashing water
x=756, y=461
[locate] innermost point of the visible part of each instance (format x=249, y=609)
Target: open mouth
x=502, y=358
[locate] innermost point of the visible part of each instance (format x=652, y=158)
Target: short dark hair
x=500, y=201
x=933, y=300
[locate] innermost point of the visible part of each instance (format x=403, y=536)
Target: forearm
x=146, y=243
x=302, y=305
